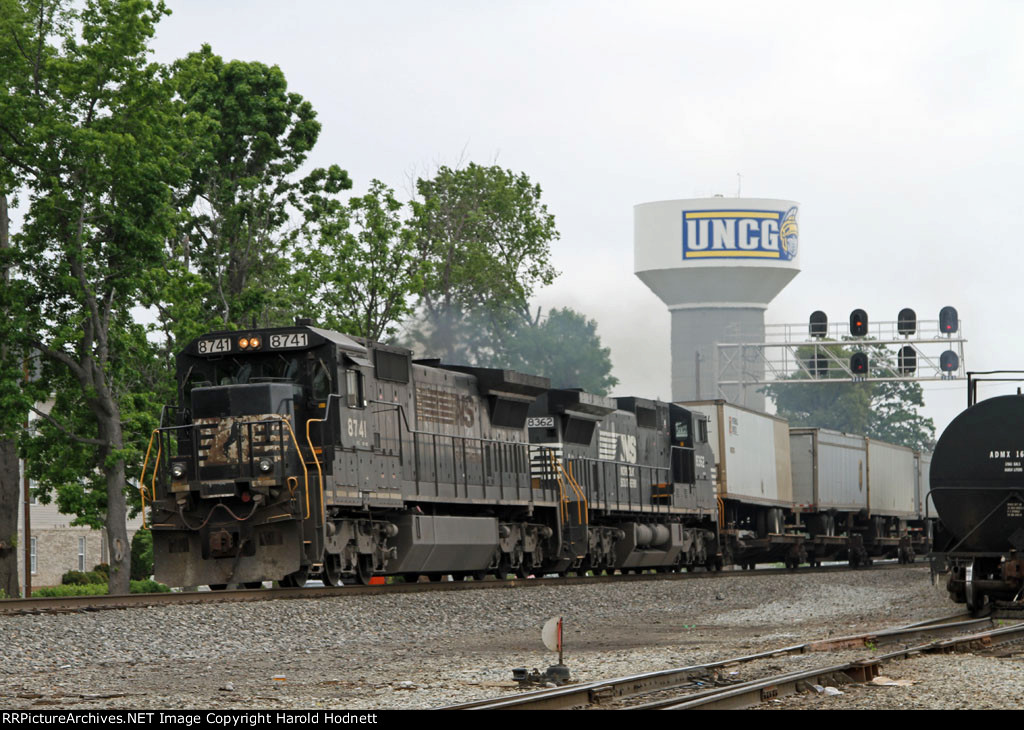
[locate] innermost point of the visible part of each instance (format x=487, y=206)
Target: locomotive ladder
x=572, y=510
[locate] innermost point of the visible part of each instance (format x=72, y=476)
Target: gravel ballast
x=424, y=650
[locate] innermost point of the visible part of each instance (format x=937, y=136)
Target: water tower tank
x=716, y=263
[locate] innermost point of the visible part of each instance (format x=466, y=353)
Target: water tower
x=716, y=263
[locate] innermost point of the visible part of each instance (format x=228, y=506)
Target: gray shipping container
x=892, y=480
x=751, y=453
x=829, y=469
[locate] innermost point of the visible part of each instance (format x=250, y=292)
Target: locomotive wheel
x=364, y=569
x=504, y=567
x=296, y=579
x=332, y=573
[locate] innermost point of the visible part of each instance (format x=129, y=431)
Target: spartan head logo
x=788, y=234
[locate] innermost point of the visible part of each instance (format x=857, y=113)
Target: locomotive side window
x=354, y=388
x=702, y=431
x=321, y=381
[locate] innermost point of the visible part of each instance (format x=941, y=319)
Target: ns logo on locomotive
x=723, y=234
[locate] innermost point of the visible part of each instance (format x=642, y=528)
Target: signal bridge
x=886, y=352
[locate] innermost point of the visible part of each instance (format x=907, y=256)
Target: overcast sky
x=897, y=126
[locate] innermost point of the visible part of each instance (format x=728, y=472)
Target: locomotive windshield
x=272, y=367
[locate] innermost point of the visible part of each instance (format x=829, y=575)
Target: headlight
x=266, y=465
x=178, y=470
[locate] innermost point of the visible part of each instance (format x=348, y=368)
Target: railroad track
x=77, y=604
x=947, y=634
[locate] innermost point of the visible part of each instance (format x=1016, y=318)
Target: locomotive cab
x=252, y=440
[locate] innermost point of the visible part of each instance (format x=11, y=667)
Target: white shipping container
x=923, y=462
x=752, y=456
x=892, y=480
x=829, y=469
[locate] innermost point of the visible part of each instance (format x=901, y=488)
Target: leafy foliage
x=92, y=136
x=142, y=555
x=485, y=237
x=362, y=281
x=564, y=347
x=250, y=136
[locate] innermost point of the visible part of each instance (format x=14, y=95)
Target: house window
x=34, y=569
x=81, y=554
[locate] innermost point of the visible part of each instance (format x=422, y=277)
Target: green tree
x=887, y=411
x=564, y=347
x=485, y=237
x=359, y=281
x=96, y=143
x=252, y=136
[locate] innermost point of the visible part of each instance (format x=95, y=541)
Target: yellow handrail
x=319, y=471
x=583, y=512
x=298, y=451
x=142, y=477
x=582, y=509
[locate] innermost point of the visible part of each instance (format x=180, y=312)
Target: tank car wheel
x=253, y=585
x=218, y=586
x=525, y=570
x=296, y=579
x=435, y=577
x=411, y=577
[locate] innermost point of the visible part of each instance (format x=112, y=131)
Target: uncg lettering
x=732, y=234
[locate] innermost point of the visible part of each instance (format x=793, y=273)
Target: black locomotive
x=977, y=485
x=299, y=451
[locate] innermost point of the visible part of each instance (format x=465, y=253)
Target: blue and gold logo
x=744, y=234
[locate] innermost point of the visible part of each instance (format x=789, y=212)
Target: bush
x=98, y=589
x=149, y=586
x=102, y=568
x=85, y=589
x=142, y=555
x=78, y=578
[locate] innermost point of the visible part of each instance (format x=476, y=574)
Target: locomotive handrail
x=312, y=450
x=142, y=477
x=580, y=514
x=400, y=409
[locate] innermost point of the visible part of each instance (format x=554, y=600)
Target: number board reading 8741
x=292, y=339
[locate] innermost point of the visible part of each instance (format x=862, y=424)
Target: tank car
x=300, y=451
x=977, y=487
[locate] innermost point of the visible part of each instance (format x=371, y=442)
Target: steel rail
x=754, y=692
x=76, y=604
x=603, y=691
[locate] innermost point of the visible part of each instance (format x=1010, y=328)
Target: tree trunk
x=10, y=493
x=119, y=549
x=10, y=481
